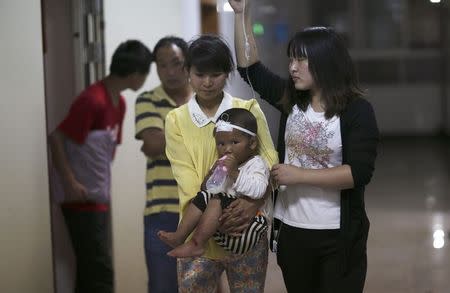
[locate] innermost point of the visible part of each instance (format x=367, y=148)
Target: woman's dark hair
x=131, y=57
x=168, y=41
x=209, y=53
x=240, y=117
x=330, y=65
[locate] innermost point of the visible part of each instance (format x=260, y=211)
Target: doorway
x=73, y=58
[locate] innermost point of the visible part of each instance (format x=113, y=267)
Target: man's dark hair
x=170, y=40
x=131, y=57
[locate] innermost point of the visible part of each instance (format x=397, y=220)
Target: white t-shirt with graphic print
x=312, y=142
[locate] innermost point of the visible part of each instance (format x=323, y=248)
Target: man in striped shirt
x=162, y=204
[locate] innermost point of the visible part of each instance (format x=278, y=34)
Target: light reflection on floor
x=407, y=201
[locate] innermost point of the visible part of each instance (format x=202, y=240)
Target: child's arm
x=232, y=167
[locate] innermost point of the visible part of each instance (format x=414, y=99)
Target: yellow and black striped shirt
x=151, y=109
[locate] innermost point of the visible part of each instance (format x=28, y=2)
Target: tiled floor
x=407, y=201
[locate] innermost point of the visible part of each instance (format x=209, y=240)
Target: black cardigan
x=359, y=134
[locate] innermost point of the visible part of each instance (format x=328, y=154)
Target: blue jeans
x=161, y=268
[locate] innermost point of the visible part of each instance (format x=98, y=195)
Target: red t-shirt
x=93, y=110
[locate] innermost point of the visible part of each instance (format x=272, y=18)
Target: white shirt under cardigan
x=312, y=142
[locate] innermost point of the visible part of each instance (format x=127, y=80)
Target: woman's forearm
x=244, y=40
x=336, y=177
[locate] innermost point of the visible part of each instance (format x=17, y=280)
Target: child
x=247, y=174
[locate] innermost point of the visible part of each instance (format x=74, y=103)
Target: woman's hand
x=238, y=5
x=231, y=164
x=284, y=174
x=238, y=215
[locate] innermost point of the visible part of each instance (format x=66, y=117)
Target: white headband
x=222, y=125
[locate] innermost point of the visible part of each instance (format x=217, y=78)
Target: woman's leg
x=310, y=260
x=297, y=260
x=354, y=279
x=198, y=275
x=330, y=262
x=247, y=272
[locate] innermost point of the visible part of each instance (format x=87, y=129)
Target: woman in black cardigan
x=330, y=139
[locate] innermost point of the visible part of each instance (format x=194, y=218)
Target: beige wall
x=25, y=246
x=147, y=21
x=25, y=252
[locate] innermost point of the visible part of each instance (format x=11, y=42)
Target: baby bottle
x=216, y=183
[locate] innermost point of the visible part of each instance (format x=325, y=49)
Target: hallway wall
x=25, y=246
x=147, y=21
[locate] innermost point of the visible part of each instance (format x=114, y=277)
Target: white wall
x=147, y=21
x=25, y=252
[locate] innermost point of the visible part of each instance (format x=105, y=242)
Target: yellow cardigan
x=192, y=151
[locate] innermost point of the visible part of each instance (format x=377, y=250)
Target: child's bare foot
x=188, y=249
x=170, y=238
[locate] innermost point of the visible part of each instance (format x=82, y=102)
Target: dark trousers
x=90, y=232
x=161, y=268
x=311, y=262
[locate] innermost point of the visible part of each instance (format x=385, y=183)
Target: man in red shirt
x=83, y=147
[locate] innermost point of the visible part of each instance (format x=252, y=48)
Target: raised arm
x=244, y=41
x=269, y=85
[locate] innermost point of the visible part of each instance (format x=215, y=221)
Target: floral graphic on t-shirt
x=307, y=142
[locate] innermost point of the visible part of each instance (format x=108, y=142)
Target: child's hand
x=231, y=164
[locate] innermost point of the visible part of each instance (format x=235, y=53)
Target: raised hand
x=238, y=5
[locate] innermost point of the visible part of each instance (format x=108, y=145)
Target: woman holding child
x=191, y=149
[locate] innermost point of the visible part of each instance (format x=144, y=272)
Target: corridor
x=407, y=201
